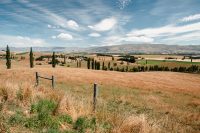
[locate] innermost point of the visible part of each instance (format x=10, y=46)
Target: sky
x=90, y=23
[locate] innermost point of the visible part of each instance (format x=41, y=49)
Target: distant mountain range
x=127, y=48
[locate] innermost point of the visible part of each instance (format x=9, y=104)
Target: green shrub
x=84, y=123
x=80, y=124
x=17, y=118
x=32, y=123
x=44, y=110
x=66, y=118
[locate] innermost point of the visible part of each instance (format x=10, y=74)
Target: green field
x=166, y=62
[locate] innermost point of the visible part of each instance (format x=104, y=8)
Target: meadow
x=127, y=102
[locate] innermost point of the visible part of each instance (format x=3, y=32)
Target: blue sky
x=84, y=23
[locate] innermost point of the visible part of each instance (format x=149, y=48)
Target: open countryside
x=117, y=66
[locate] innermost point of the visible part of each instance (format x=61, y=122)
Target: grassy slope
x=152, y=101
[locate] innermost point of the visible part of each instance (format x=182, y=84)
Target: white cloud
x=72, y=24
x=194, y=36
x=169, y=34
x=94, y=35
x=138, y=39
x=68, y=24
x=168, y=30
x=49, y=26
x=52, y=27
x=123, y=3
x=63, y=36
x=116, y=40
x=104, y=25
x=190, y=18
x=57, y=20
x=20, y=41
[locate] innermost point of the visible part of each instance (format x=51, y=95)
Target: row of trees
x=92, y=64
x=31, y=58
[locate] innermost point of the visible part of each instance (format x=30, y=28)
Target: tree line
x=31, y=58
x=96, y=65
x=92, y=64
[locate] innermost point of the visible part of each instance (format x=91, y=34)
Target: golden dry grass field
x=142, y=102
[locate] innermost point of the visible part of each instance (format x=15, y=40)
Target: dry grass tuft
x=8, y=92
x=65, y=106
x=134, y=124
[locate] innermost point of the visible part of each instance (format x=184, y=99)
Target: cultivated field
x=127, y=102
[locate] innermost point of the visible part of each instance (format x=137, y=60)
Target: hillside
x=149, y=49
x=127, y=48
x=127, y=102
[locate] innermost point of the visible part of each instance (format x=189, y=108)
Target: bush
x=38, y=63
x=128, y=58
x=44, y=110
x=66, y=118
x=41, y=58
x=135, y=69
x=84, y=123
x=122, y=69
x=114, y=64
x=17, y=118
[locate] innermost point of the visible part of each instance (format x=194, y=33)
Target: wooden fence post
x=95, y=97
x=37, y=79
x=53, y=84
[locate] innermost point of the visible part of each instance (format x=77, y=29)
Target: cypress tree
x=117, y=69
x=126, y=68
x=64, y=59
x=113, y=58
x=53, y=60
x=88, y=63
x=98, y=65
x=31, y=58
x=146, y=68
x=103, y=66
x=92, y=63
x=8, y=58
x=77, y=63
x=80, y=63
x=95, y=65
x=108, y=65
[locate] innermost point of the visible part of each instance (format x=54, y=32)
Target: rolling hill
x=127, y=48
